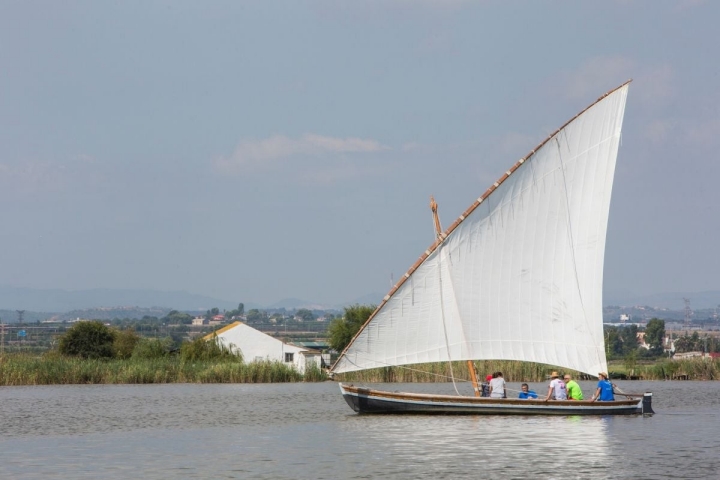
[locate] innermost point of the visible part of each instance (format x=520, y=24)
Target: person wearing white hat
x=557, y=389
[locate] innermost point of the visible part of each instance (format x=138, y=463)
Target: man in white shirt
x=557, y=389
x=497, y=386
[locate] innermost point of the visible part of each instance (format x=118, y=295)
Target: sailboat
x=518, y=276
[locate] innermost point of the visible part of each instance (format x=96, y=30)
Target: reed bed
x=24, y=369
x=686, y=369
x=512, y=371
x=54, y=369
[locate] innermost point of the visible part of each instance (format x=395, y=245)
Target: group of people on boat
x=564, y=388
x=494, y=386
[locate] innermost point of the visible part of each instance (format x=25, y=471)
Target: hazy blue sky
x=254, y=151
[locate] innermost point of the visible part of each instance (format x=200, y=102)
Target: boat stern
x=645, y=406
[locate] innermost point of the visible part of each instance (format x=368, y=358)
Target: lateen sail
x=519, y=275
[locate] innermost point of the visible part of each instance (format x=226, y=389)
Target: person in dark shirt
x=485, y=387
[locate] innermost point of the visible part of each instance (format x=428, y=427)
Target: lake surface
x=307, y=431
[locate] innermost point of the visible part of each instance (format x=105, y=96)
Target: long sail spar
x=518, y=276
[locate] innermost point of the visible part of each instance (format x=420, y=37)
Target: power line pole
x=688, y=312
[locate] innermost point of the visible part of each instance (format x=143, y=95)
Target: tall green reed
x=513, y=371
x=54, y=369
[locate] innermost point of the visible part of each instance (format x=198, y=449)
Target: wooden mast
x=436, y=217
x=439, y=235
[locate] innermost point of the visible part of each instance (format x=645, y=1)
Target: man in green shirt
x=574, y=391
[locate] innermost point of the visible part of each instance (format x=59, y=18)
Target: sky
x=256, y=151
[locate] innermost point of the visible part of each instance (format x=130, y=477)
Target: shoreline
x=18, y=369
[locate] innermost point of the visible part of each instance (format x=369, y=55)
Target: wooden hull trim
x=365, y=400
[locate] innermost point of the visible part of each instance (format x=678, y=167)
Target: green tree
x=256, y=316
x=88, y=339
x=696, y=342
x=655, y=335
x=305, y=314
x=238, y=312
x=630, y=362
x=713, y=344
x=152, y=348
x=342, y=330
x=124, y=343
x=613, y=343
x=682, y=344
x=690, y=343
x=628, y=335
x=177, y=318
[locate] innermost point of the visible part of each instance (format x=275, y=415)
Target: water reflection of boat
x=518, y=276
x=485, y=447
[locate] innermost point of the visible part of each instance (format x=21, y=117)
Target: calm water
x=306, y=431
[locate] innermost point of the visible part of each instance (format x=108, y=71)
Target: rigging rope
x=439, y=238
x=384, y=364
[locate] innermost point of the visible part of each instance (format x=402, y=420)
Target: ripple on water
x=307, y=431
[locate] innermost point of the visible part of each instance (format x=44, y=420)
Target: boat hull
x=365, y=400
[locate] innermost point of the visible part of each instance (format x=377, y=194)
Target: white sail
x=519, y=275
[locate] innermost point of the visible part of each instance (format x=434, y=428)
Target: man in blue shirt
x=526, y=392
x=604, y=391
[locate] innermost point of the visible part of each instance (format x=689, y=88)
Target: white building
x=686, y=355
x=257, y=346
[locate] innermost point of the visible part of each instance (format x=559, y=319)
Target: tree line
x=93, y=340
x=619, y=341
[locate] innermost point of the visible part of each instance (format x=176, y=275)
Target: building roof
x=313, y=345
x=221, y=330
x=258, y=336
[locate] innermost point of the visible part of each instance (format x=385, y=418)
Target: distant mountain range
x=55, y=300
x=670, y=300
x=63, y=301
